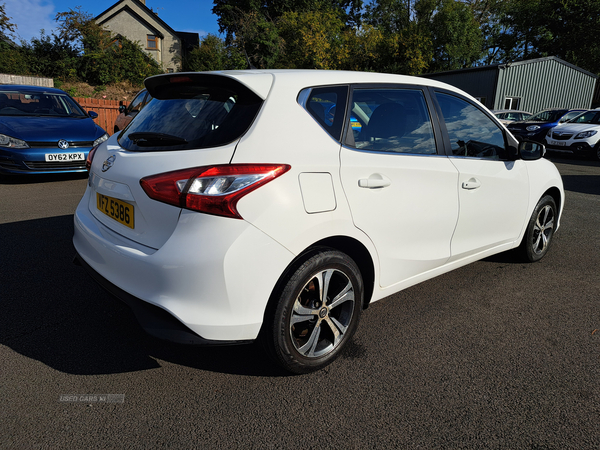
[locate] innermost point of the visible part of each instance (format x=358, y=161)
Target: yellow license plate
x=118, y=210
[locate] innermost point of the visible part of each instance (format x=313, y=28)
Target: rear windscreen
x=190, y=113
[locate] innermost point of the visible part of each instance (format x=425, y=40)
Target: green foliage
x=456, y=37
x=313, y=40
x=563, y=28
x=214, y=54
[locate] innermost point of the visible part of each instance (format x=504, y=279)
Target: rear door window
x=390, y=120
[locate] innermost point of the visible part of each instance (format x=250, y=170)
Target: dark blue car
x=43, y=130
x=536, y=127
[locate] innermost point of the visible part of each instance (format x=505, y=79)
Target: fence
x=107, y=110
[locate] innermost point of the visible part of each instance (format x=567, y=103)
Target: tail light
x=211, y=189
x=90, y=158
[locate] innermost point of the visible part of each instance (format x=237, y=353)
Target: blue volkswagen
x=43, y=130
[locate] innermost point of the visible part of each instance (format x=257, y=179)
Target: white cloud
x=30, y=16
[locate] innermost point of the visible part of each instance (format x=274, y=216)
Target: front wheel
x=317, y=311
x=540, y=230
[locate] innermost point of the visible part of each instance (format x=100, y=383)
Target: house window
x=512, y=102
x=151, y=42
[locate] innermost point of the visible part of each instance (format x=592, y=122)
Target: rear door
x=401, y=192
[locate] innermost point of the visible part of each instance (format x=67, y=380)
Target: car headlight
x=533, y=127
x=11, y=142
x=586, y=134
x=100, y=140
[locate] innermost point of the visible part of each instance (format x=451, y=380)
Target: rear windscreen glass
x=200, y=112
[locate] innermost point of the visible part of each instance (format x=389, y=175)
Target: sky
x=31, y=16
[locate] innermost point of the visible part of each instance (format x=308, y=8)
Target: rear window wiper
x=149, y=139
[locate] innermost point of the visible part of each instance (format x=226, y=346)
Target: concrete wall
x=31, y=81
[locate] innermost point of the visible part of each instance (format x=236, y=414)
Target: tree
x=231, y=13
x=313, y=40
x=456, y=36
x=214, y=54
x=7, y=28
x=563, y=28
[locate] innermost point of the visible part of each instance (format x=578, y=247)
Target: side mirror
x=122, y=109
x=530, y=151
x=93, y=114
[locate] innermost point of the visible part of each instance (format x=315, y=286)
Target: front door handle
x=375, y=181
x=473, y=183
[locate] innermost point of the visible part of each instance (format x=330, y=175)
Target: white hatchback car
x=279, y=204
x=579, y=136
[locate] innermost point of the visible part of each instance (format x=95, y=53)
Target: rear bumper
x=213, y=275
x=154, y=320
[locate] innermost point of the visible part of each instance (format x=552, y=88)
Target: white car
x=579, y=136
x=506, y=116
x=278, y=204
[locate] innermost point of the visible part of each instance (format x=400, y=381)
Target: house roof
x=121, y=6
x=515, y=63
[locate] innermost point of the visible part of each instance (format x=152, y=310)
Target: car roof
x=27, y=88
x=496, y=111
x=260, y=81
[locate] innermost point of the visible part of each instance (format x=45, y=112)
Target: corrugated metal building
x=531, y=85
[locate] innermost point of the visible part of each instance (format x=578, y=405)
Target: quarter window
x=327, y=106
x=390, y=120
x=472, y=133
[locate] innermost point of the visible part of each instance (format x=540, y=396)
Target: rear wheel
x=540, y=230
x=317, y=311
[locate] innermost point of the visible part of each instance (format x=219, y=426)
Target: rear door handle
x=375, y=181
x=473, y=183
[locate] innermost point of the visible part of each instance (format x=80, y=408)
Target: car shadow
x=53, y=312
x=579, y=182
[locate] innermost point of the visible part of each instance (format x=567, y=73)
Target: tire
x=540, y=230
x=305, y=332
x=596, y=153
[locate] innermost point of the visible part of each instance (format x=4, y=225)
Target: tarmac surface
x=495, y=355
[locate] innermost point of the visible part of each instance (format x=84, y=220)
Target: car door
x=401, y=192
x=493, y=191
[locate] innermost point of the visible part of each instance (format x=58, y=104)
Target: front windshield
x=587, y=117
x=547, y=116
x=23, y=103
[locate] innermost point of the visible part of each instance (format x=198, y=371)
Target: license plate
x=558, y=143
x=61, y=157
x=118, y=210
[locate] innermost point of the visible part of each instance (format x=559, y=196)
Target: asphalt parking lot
x=495, y=355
